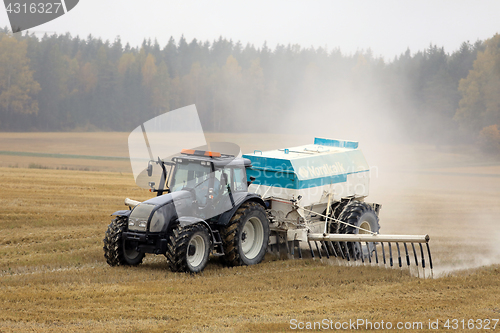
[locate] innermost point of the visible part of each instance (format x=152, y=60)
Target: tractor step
x=217, y=242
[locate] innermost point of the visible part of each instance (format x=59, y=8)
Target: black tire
x=246, y=236
x=116, y=251
x=336, y=210
x=359, y=214
x=188, y=248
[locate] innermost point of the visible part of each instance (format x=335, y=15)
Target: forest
x=65, y=83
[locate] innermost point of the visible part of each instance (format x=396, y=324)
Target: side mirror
x=150, y=169
x=252, y=179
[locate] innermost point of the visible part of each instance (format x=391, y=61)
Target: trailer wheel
x=336, y=210
x=188, y=249
x=359, y=214
x=246, y=236
x=116, y=251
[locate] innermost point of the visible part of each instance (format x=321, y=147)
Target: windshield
x=189, y=175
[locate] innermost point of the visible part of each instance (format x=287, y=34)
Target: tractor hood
x=157, y=213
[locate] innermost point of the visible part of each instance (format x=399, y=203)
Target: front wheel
x=246, y=236
x=117, y=251
x=188, y=249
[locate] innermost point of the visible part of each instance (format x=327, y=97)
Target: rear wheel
x=246, y=236
x=188, y=249
x=116, y=250
x=362, y=215
x=336, y=210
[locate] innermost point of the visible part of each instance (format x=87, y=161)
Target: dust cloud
x=450, y=192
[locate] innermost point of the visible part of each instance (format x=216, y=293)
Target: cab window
x=189, y=175
x=239, y=179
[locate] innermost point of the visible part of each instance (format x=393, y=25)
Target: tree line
x=65, y=83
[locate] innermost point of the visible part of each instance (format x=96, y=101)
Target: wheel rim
x=366, y=226
x=131, y=254
x=252, y=237
x=196, y=251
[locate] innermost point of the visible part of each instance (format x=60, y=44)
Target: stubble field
x=53, y=276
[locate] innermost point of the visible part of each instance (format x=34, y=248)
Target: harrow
x=362, y=248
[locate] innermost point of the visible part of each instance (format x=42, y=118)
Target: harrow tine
x=340, y=249
x=376, y=254
x=317, y=248
x=407, y=255
x=369, y=254
x=353, y=252
x=311, y=249
x=399, y=255
x=347, y=252
x=323, y=245
x=423, y=259
x=390, y=253
x=278, y=243
x=361, y=252
x=333, y=249
x=292, y=246
x=383, y=252
x=415, y=254
x=298, y=249
x=430, y=258
x=416, y=258
x=271, y=247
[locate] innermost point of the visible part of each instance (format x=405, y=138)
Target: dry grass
x=53, y=276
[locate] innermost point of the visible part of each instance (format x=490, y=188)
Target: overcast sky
x=387, y=27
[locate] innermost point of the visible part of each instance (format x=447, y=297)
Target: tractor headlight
x=138, y=219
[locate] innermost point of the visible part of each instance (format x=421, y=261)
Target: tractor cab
x=210, y=182
x=215, y=181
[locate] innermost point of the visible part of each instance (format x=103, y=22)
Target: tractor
x=202, y=207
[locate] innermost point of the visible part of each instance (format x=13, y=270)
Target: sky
x=387, y=27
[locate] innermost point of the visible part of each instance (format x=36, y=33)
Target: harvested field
x=53, y=276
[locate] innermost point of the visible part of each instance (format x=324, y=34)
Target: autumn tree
x=489, y=139
x=480, y=91
x=18, y=89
